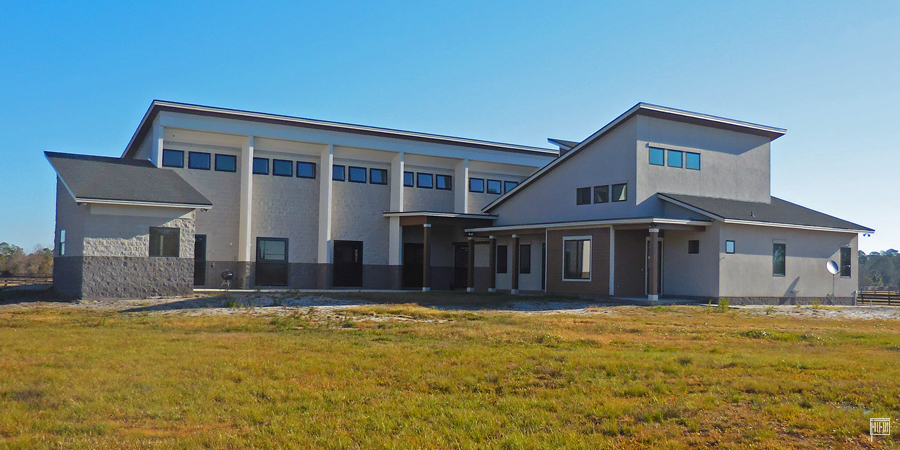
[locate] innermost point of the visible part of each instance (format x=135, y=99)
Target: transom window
x=657, y=156
x=601, y=194
x=620, y=192
x=577, y=258
x=424, y=180
x=261, y=166
x=173, y=158
x=164, y=241
x=409, y=179
x=476, y=184
x=509, y=185
x=378, y=176
x=357, y=174
x=198, y=160
x=444, y=182
x=306, y=169
x=337, y=173
x=226, y=163
x=675, y=158
x=282, y=168
x=692, y=161
x=494, y=187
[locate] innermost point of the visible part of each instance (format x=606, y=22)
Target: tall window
x=226, y=163
x=337, y=173
x=620, y=192
x=306, y=169
x=282, y=168
x=692, y=161
x=357, y=174
x=444, y=182
x=476, y=184
x=601, y=194
x=409, y=179
x=583, y=196
x=525, y=258
x=62, y=242
x=577, y=258
x=261, y=166
x=173, y=158
x=676, y=158
x=657, y=156
x=501, y=258
x=846, y=261
x=378, y=176
x=424, y=180
x=494, y=187
x=164, y=242
x=779, y=254
x=199, y=160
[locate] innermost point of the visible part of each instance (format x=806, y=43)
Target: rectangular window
x=601, y=194
x=675, y=158
x=409, y=179
x=509, y=185
x=494, y=187
x=271, y=249
x=306, y=169
x=378, y=176
x=282, y=168
x=173, y=158
x=261, y=166
x=62, y=242
x=501, y=258
x=476, y=185
x=693, y=246
x=846, y=261
x=226, y=163
x=657, y=156
x=525, y=258
x=424, y=180
x=198, y=160
x=337, y=173
x=577, y=259
x=620, y=192
x=164, y=242
x=729, y=247
x=583, y=196
x=357, y=174
x=444, y=182
x=779, y=254
x=692, y=161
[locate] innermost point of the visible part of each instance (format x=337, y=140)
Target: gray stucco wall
x=691, y=275
x=70, y=217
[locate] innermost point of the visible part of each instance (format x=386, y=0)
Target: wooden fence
x=880, y=298
x=21, y=280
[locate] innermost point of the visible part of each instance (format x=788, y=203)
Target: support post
x=470, y=286
x=426, y=258
x=653, y=272
x=323, y=275
x=492, y=287
x=245, y=221
x=514, y=284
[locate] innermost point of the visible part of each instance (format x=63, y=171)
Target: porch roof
x=663, y=222
x=408, y=218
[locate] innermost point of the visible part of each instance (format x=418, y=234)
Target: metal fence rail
x=889, y=298
x=21, y=280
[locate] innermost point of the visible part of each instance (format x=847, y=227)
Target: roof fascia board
x=691, y=207
x=139, y=203
x=592, y=223
x=715, y=119
x=794, y=226
x=438, y=214
x=141, y=131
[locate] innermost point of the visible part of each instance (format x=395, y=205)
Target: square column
x=245, y=243
x=514, y=285
x=492, y=287
x=323, y=275
x=426, y=257
x=470, y=286
x=461, y=189
x=395, y=231
x=653, y=279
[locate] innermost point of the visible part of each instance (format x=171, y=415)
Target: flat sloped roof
x=778, y=211
x=101, y=179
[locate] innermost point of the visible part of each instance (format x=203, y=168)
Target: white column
x=156, y=144
x=245, y=244
x=395, y=233
x=325, y=199
x=612, y=261
x=461, y=187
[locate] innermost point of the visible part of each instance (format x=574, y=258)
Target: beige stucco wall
x=748, y=272
x=357, y=215
x=421, y=199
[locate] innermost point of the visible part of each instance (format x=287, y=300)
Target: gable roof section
x=646, y=109
x=100, y=179
x=159, y=105
x=776, y=213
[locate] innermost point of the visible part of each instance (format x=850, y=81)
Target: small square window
x=583, y=196
x=409, y=179
x=494, y=187
x=509, y=185
x=282, y=168
x=425, y=180
x=692, y=161
x=620, y=192
x=476, y=185
x=164, y=242
x=693, y=247
x=226, y=163
x=675, y=158
x=261, y=166
x=357, y=174
x=173, y=158
x=657, y=156
x=306, y=169
x=601, y=194
x=378, y=176
x=337, y=173
x=444, y=182
x=729, y=247
x=197, y=160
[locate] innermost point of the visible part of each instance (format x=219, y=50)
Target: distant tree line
x=14, y=261
x=880, y=270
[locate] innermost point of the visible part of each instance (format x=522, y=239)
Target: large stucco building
x=288, y=202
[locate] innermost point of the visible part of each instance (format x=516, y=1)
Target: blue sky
x=77, y=77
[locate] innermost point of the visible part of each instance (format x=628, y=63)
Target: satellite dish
x=832, y=267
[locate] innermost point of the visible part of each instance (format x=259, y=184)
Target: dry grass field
x=407, y=376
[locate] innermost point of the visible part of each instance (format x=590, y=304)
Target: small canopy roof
x=100, y=179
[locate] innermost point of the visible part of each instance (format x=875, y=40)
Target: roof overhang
x=410, y=218
x=648, y=221
x=160, y=106
x=102, y=201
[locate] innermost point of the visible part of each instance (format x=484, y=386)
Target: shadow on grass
x=32, y=293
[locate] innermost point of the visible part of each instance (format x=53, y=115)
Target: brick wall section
x=125, y=277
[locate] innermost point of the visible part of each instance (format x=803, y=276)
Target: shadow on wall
x=790, y=292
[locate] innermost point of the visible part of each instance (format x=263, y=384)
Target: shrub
x=724, y=304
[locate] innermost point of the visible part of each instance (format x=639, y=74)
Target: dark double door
x=348, y=264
